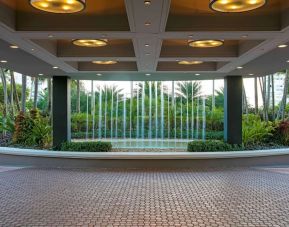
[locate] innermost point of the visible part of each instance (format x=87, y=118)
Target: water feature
x=147, y=114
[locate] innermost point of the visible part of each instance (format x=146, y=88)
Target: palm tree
x=13, y=85
x=78, y=96
x=35, y=92
x=281, y=112
x=23, y=94
x=186, y=88
x=256, y=95
x=5, y=91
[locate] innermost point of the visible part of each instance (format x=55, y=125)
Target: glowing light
x=59, y=6
x=236, y=6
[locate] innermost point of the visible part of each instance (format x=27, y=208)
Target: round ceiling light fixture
x=190, y=62
x=236, y=6
x=104, y=62
x=59, y=6
x=90, y=42
x=206, y=43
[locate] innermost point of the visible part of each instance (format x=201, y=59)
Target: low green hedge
x=212, y=145
x=86, y=146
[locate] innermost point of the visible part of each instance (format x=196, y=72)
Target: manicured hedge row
x=86, y=146
x=212, y=145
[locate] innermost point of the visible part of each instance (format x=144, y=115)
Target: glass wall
x=147, y=113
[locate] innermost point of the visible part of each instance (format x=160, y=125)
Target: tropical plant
x=255, y=131
x=282, y=132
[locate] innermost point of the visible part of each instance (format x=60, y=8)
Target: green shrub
x=255, y=130
x=211, y=145
x=86, y=146
x=32, y=130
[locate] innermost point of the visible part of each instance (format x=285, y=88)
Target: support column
x=233, y=109
x=61, y=122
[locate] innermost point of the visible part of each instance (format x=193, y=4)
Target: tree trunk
x=263, y=92
x=281, y=112
x=78, y=97
x=256, y=95
x=23, y=94
x=273, y=97
x=245, y=104
x=268, y=83
x=4, y=82
x=35, y=92
x=11, y=96
x=213, y=96
x=15, y=91
x=49, y=93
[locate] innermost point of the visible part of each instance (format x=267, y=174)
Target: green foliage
x=255, y=130
x=215, y=120
x=78, y=122
x=86, y=146
x=18, y=89
x=211, y=145
x=7, y=124
x=32, y=130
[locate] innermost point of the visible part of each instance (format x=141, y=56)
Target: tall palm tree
x=35, y=92
x=5, y=91
x=13, y=84
x=78, y=96
x=23, y=93
x=186, y=88
x=256, y=94
x=281, y=112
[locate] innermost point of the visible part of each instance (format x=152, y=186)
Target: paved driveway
x=208, y=197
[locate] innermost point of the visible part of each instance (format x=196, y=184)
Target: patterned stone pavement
x=208, y=197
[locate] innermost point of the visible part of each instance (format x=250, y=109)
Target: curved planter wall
x=53, y=159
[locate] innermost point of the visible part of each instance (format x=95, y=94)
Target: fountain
x=151, y=114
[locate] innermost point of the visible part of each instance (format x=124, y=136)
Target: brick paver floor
x=219, y=197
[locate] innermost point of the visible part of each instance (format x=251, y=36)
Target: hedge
x=87, y=146
x=212, y=145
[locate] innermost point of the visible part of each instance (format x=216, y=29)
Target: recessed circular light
x=197, y=74
x=14, y=47
x=32, y=49
x=3, y=61
x=104, y=62
x=282, y=46
x=147, y=54
x=147, y=23
x=244, y=36
x=59, y=6
x=190, y=62
x=55, y=67
x=235, y=6
x=239, y=67
x=147, y=2
x=251, y=74
x=148, y=74
x=50, y=36
x=288, y=61
x=40, y=74
x=206, y=43
x=99, y=74
x=90, y=42
x=147, y=45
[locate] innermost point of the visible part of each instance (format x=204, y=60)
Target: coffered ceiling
x=147, y=41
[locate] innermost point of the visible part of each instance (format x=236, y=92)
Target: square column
x=61, y=121
x=233, y=109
